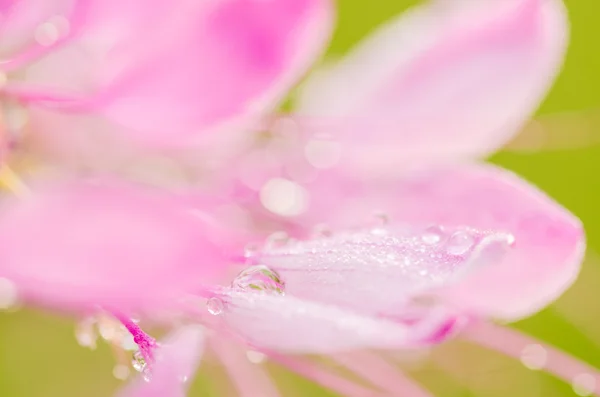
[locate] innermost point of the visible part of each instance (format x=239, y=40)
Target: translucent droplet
x=381, y=218
x=215, y=306
x=322, y=231
x=121, y=372
x=584, y=384
x=432, y=235
x=534, y=356
x=459, y=243
x=250, y=250
x=183, y=378
x=86, y=333
x=260, y=278
x=8, y=294
x=255, y=357
x=277, y=240
x=138, y=362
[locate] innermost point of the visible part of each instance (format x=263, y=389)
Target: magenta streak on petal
x=380, y=373
x=512, y=342
x=324, y=377
x=145, y=342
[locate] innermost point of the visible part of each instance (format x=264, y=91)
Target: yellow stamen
x=10, y=181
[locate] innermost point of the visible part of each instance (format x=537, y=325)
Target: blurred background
x=559, y=151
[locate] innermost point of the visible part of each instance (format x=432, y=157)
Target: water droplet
x=8, y=294
x=215, y=306
x=260, y=278
x=322, y=231
x=432, y=235
x=584, y=384
x=183, y=378
x=277, y=240
x=534, y=356
x=250, y=250
x=121, y=372
x=138, y=362
x=381, y=218
x=86, y=333
x=510, y=240
x=255, y=357
x=459, y=243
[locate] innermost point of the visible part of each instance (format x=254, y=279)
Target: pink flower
x=131, y=71
x=459, y=241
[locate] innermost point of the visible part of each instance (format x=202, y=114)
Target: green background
x=39, y=356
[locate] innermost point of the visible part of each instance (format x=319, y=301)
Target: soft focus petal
x=26, y=24
x=286, y=323
x=549, y=241
x=182, y=70
x=379, y=271
x=177, y=360
x=449, y=79
x=76, y=245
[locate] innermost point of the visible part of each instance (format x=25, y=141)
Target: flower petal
x=449, y=79
x=183, y=70
x=76, y=245
x=379, y=271
x=178, y=358
x=286, y=323
x=549, y=241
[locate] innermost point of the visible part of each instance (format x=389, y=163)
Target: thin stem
x=379, y=372
x=323, y=376
x=512, y=342
x=249, y=379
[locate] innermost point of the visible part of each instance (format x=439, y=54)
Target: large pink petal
x=177, y=360
x=378, y=271
x=286, y=323
x=449, y=79
x=181, y=70
x=549, y=241
x=78, y=245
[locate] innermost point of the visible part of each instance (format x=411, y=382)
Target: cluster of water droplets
x=433, y=251
x=89, y=329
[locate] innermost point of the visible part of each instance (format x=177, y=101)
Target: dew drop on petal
x=121, y=372
x=138, y=362
x=255, y=357
x=183, y=378
x=86, y=332
x=534, y=356
x=277, y=240
x=215, y=306
x=259, y=278
x=381, y=218
x=584, y=384
x=432, y=235
x=250, y=250
x=459, y=243
x=9, y=297
x=321, y=231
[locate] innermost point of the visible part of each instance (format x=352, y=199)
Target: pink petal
x=178, y=358
x=76, y=245
x=378, y=271
x=182, y=70
x=26, y=24
x=286, y=323
x=549, y=241
x=449, y=79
